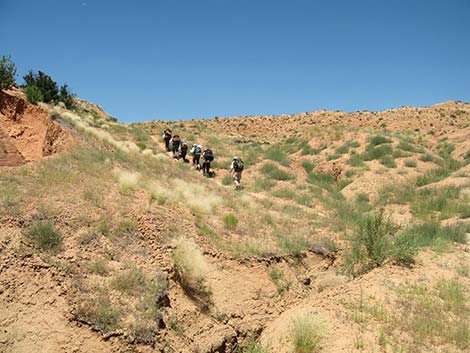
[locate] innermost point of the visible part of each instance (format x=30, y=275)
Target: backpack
x=197, y=150
x=184, y=146
x=238, y=165
x=208, y=155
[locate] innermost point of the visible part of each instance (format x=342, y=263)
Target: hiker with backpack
x=196, y=151
x=166, y=139
x=175, y=145
x=237, y=168
x=184, y=150
x=208, y=157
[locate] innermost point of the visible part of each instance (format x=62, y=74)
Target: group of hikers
x=179, y=148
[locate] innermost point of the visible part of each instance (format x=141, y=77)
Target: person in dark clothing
x=184, y=150
x=208, y=157
x=166, y=138
x=175, y=145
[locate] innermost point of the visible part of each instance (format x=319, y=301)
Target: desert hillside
x=350, y=233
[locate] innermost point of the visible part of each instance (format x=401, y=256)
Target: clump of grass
x=308, y=166
x=426, y=158
x=230, y=221
x=191, y=269
x=227, y=180
x=306, y=333
x=44, y=235
x=370, y=244
x=433, y=314
x=126, y=227
x=355, y=160
x=409, y=163
x=272, y=171
x=99, y=267
x=253, y=347
x=280, y=281
x=130, y=281
x=100, y=313
x=264, y=184
x=432, y=176
x=377, y=152
x=388, y=161
x=445, y=202
x=127, y=180
x=293, y=245
x=378, y=140
x=275, y=153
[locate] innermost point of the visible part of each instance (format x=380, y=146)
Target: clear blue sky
x=176, y=59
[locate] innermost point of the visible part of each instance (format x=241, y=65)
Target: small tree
x=45, y=83
x=66, y=96
x=7, y=72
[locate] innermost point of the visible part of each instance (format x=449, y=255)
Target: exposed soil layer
x=27, y=133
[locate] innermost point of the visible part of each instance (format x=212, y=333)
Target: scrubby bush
x=33, y=94
x=370, y=243
x=44, y=235
x=66, y=97
x=275, y=153
x=50, y=93
x=7, y=72
x=378, y=140
x=44, y=83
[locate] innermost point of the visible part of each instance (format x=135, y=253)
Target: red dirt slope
x=27, y=133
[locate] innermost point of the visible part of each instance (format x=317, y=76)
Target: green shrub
x=370, y=244
x=7, y=72
x=426, y=158
x=274, y=172
x=410, y=163
x=33, y=94
x=44, y=235
x=378, y=140
x=388, y=162
x=378, y=152
x=275, y=153
x=308, y=166
x=66, y=97
x=230, y=221
x=355, y=160
x=332, y=157
x=44, y=83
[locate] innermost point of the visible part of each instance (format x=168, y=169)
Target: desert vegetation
x=148, y=252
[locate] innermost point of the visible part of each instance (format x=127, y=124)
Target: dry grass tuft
x=307, y=330
x=127, y=180
x=192, y=269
